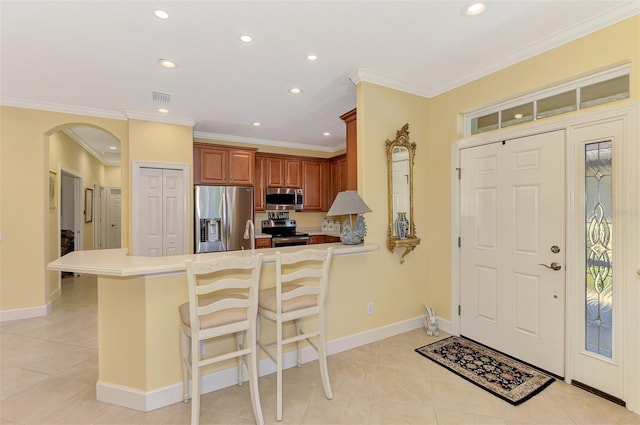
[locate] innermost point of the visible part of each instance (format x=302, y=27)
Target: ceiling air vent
x=161, y=98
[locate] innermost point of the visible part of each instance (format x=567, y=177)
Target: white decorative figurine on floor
x=430, y=321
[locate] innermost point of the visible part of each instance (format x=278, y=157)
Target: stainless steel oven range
x=283, y=232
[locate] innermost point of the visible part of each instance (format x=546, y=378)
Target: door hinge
x=459, y=309
x=459, y=241
x=459, y=170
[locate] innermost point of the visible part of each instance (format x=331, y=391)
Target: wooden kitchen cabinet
x=283, y=172
x=331, y=239
x=259, y=185
x=312, y=175
x=316, y=239
x=214, y=164
x=350, y=120
x=315, y=182
x=338, y=176
x=263, y=243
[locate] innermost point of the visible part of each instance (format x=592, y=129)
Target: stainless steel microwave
x=283, y=198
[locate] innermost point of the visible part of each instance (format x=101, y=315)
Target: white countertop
x=116, y=262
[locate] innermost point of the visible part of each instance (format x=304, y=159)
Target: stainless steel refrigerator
x=221, y=214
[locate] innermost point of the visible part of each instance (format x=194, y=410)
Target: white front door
x=513, y=248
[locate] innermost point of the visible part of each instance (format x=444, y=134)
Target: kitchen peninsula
x=138, y=326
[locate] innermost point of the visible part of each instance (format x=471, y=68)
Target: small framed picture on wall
x=88, y=205
x=52, y=189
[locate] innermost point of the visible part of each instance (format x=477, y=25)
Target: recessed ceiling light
x=163, y=110
x=326, y=133
x=518, y=116
x=295, y=90
x=245, y=38
x=113, y=148
x=257, y=124
x=162, y=14
x=312, y=57
x=475, y=8
x=166, y=63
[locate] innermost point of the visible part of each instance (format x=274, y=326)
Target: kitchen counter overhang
x=116, y=262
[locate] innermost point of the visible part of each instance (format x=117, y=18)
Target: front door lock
x=554, y=266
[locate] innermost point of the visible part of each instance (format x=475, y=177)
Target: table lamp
x=349, y=203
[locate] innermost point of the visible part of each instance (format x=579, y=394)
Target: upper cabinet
x=283, y=172
x=338, y=176
x=312, y=175
x=259, y=187
x=315, y=182
x=215, y=164
x=352, y=149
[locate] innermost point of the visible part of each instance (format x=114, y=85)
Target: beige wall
x=24, y=207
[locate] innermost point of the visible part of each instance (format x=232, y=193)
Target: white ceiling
x=101, y=57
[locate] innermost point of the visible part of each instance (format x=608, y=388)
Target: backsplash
x=306, y=220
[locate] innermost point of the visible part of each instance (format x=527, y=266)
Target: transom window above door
x=597, y=89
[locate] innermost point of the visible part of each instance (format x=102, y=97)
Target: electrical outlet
x=370, y=309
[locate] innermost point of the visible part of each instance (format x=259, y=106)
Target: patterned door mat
x=502, y=376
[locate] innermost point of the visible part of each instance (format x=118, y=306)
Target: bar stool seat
x=223, y=300
x=300, y=291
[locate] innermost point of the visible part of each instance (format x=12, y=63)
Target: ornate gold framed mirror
x=401, y=232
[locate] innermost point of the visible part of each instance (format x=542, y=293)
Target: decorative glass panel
x=517, y=115
x=599, y=261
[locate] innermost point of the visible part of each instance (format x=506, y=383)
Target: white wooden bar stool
x=301, y=291
x=223, y=300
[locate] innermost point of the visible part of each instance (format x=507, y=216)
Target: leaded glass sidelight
x=598, y=227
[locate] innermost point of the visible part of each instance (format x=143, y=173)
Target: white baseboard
x=146, y=401
x=25, y=313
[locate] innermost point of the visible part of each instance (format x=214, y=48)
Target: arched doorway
x=84, y=200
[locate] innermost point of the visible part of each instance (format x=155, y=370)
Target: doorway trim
x=78, y=221
x=629, y=280
x=136, y=179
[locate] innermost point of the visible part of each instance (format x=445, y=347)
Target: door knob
x=554, y=266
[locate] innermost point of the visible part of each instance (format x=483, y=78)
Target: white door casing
x=512, y=231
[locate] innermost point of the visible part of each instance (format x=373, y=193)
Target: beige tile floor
x=48, y=370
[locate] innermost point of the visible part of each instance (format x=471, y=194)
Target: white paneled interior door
x=114, y=215
x=161, y=212
x=513, y=247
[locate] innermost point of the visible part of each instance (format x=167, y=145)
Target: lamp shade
x=348, y=202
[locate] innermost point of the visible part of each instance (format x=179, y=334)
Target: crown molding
x=267, y=142
x=93, y=112
x=613, y=16
x=567, y=35
x=159, y=118
x=59, y=107
x=370, y=76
